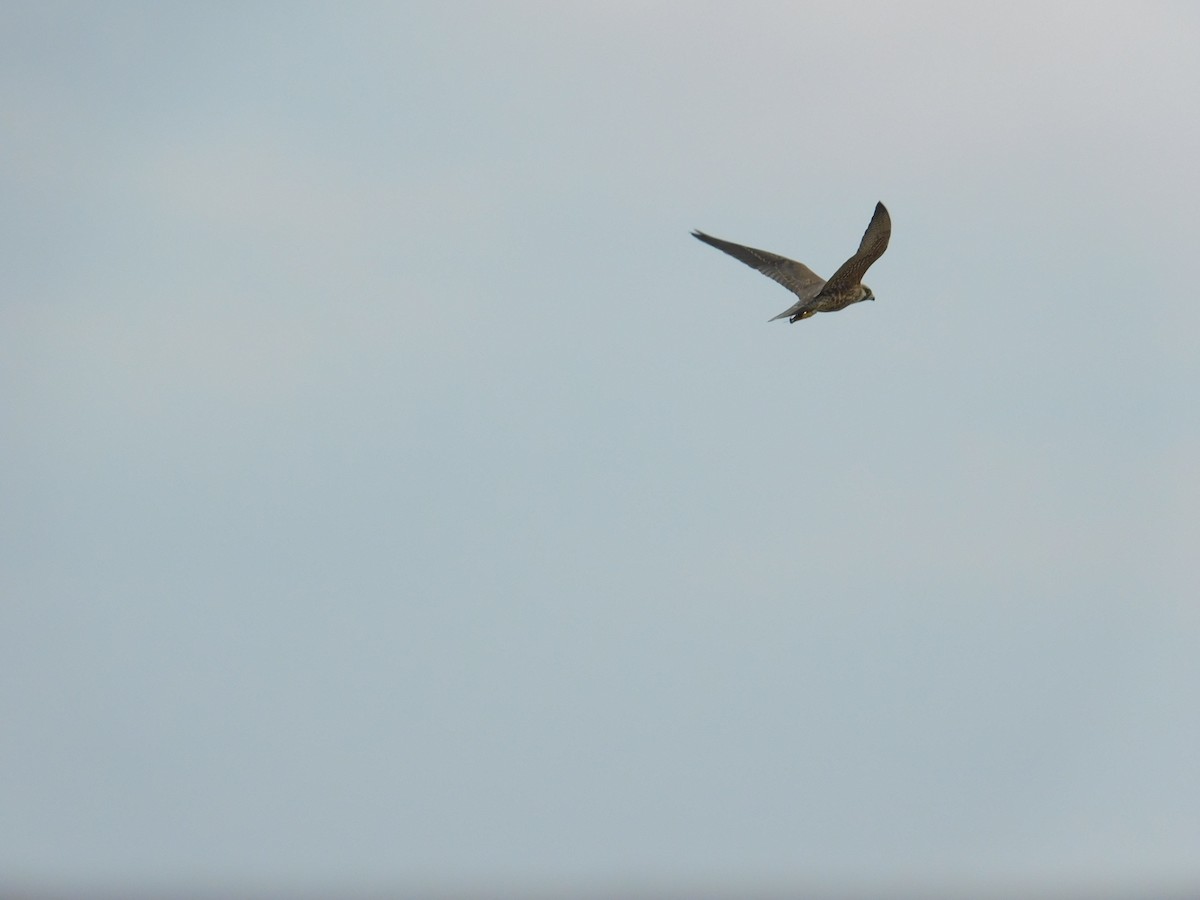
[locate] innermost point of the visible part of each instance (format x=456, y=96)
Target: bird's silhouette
x=815, y=293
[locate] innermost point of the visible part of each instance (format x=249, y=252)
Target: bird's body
x=815, y=293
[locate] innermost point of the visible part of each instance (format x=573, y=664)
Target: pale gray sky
x=397, y=496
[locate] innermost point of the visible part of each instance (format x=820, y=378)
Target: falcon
x=815, y=293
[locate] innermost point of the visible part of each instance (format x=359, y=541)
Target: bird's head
x=866, y=293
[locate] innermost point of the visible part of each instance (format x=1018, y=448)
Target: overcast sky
x=396, y=496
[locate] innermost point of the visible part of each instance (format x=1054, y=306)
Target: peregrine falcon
x=816, y=295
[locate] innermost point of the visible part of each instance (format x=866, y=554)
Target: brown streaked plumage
x=816, y=295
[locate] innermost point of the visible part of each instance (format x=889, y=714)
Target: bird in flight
x=815, y=293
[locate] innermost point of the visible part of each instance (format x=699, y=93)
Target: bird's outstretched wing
x=796, y=277
x=874, y=242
